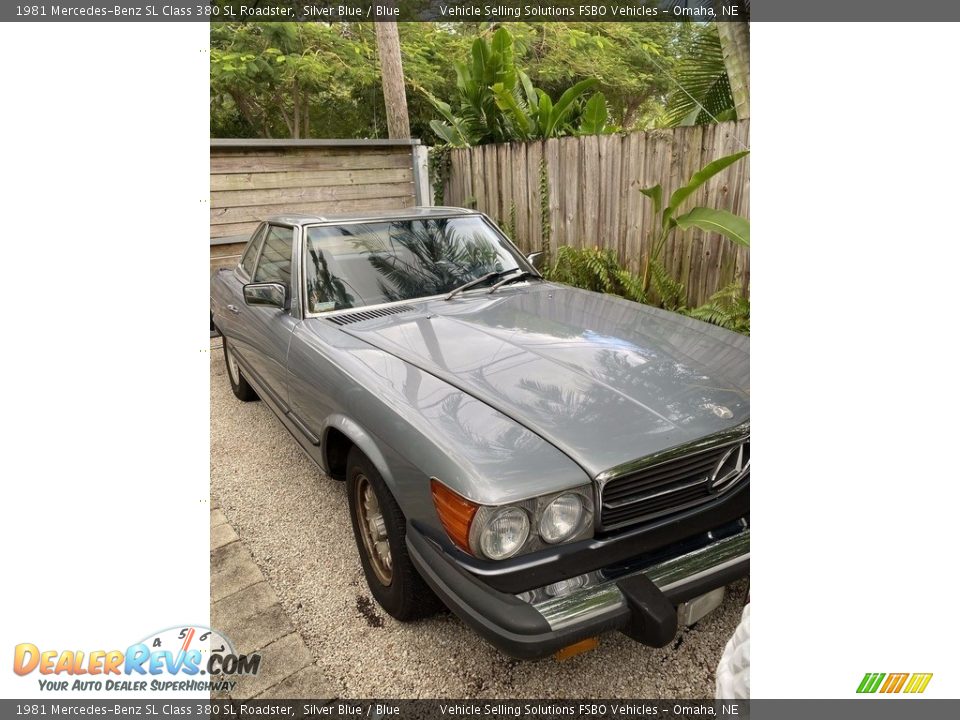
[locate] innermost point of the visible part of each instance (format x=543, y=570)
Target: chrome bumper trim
x=598, y=596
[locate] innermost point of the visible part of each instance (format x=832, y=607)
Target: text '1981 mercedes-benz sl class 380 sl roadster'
x=550, y=463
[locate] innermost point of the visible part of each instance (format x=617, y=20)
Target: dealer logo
x=185, y=658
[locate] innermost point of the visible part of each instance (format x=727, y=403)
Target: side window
x=250, y=254
x=274, y=265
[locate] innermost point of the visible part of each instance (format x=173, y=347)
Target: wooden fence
x=593, y=195
x=253, y=179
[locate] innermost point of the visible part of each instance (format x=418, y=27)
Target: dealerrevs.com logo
x=186, y=658
x=911, y=683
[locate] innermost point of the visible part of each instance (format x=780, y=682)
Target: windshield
x=354, y=265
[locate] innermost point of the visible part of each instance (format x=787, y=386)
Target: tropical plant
x=596, y=269
x=497, y=102
x=702, y=93
x=724, y=222
x=735, y=43
x=728, y=308
x=339, y=85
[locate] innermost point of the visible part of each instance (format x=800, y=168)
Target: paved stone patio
x=246, y=610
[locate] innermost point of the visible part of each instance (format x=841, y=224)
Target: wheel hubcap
x=373, y=529
x=233, y=367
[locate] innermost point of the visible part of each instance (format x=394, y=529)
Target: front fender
x=363, y=440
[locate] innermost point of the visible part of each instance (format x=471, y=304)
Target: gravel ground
x=295, y=523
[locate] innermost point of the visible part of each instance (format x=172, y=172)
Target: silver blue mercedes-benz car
x=548, y=462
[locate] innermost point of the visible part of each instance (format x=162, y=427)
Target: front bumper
x=641, y=602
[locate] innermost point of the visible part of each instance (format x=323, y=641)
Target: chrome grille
x=668, y=486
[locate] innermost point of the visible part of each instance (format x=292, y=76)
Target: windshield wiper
x=476, y=281
x=522, y=275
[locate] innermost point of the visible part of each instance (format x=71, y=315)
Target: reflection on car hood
x=603, y=379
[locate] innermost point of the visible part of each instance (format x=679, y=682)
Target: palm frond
x=704, y=88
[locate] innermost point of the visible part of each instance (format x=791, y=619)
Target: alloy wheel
x=373, y=529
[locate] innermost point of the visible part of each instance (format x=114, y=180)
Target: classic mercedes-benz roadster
x=550, y=463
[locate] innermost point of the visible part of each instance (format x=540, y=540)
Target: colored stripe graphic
x=870, y=682
x=895, y=682
x=918, y=682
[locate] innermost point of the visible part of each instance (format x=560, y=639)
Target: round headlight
x=561, y=518
x=504, y=533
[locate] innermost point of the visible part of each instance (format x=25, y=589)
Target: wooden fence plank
x=250, y=184
x=594, y=198
x=504, y=154
x=589, y=225
x=302, y=179
x=533, y=200
x=610, y=189
x=573, y=186
x=245, y=163
x=633, y=201
x=289, y=196
x=245, y=214
x=551, y=152
x=519, y=195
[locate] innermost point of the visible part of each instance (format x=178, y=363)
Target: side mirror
x=267, y=294
x=537, y=259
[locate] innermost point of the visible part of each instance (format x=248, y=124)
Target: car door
x=229, y=302
x=268, y=330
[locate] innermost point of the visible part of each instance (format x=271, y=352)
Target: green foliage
x=671, y=293
x=720, y=221
x=702, y=93
x=725, y=223
x=264, y=77
x=438, y=160
x=510, y=225
x=594, y=118
x=728, y=308
x=270, y=78
x=595, y=269
x=545, y=229
x=497, y=102
x=323, y=79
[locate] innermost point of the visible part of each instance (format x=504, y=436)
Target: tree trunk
x=735, y=43
x=391, y=70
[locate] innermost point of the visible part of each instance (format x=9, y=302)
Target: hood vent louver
x=361, y=315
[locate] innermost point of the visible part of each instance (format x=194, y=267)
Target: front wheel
x=380, y=531
x=238, y=383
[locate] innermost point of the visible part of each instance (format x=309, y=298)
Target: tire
x=394, y=582
x=238, y=383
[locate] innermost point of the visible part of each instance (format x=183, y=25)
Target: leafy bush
x=597, y=269
x=733, y=227
x=728, y=308
x=496, y=102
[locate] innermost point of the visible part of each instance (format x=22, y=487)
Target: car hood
x=603, y=379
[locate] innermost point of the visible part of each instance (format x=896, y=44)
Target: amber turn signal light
x=456, y=513
x=577, y=648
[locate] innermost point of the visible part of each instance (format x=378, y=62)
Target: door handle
x=234, y=309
